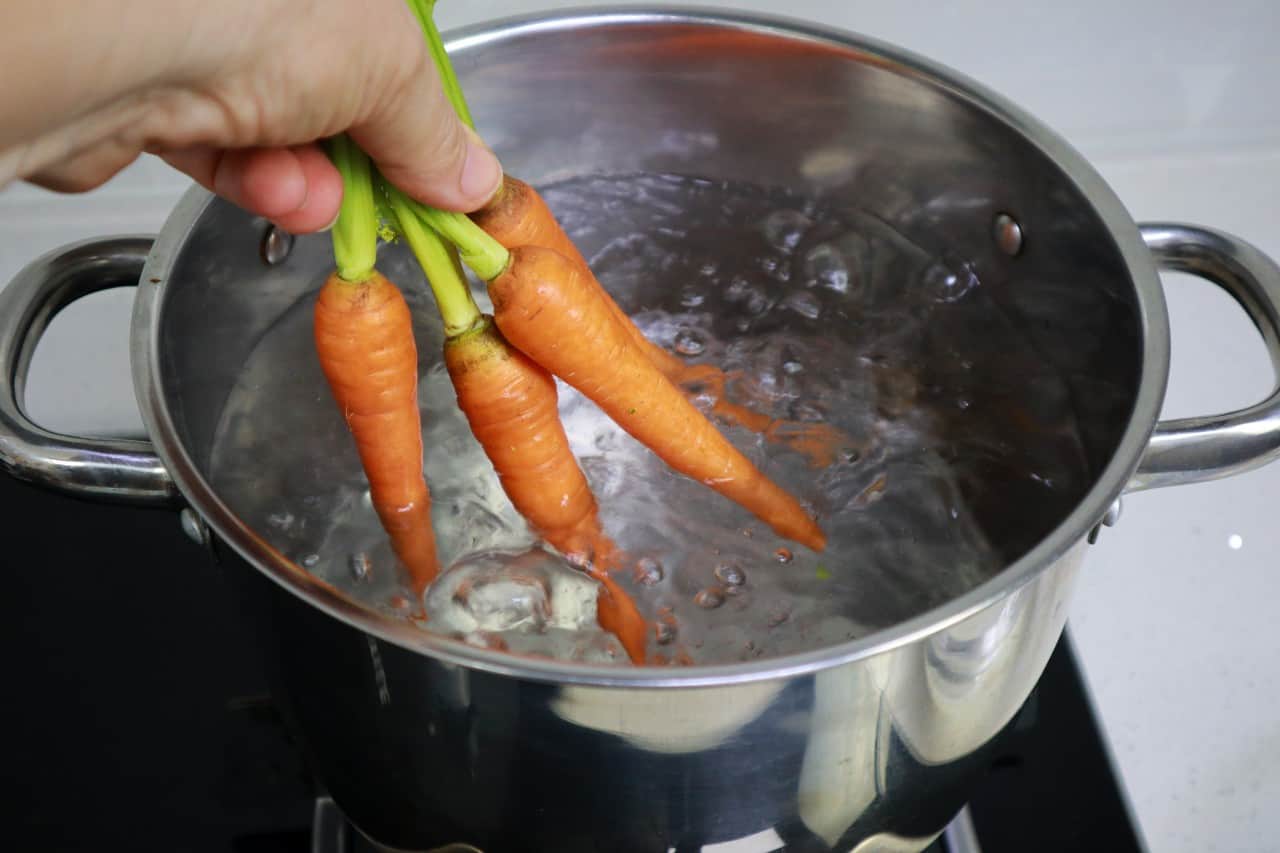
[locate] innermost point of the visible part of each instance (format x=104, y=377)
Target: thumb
x=419, y=144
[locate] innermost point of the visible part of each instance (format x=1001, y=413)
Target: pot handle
x=117, y=470
x=1191, y=450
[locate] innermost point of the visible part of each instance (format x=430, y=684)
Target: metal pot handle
x=118, y=470
x=1191, y=450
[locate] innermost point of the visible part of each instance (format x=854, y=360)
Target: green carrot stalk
x=483, y=254
x=439, y=261
x=355, y=234
x=425, y=10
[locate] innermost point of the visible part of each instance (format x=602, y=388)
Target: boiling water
x=959, y=448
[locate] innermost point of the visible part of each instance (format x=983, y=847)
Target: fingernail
x=332, y=222
x=481, y=172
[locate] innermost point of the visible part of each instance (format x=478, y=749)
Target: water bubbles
x=311, y=561
x=361, y=566
x=757, y=302
x=280, y=520
x=808, y=412
x=689, y=342
x=949, y=278
x=503, y=604
x=803, y=303
x=825, y=266
x=826, y=324
x=751, y=296
x=730, y=574
x=529, y=592
x=648, y=572
x=738, y=289
x=784, y=228
x=709, y=598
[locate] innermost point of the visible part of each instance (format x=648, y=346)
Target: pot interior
x=835, y=227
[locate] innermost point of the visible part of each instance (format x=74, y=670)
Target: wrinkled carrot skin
x=519, y=216
x=511, y=405
x=550, y=308
x=364, y=340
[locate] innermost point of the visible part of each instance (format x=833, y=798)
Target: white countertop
x=1177, y=105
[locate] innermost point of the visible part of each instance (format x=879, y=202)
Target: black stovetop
x=138, y=718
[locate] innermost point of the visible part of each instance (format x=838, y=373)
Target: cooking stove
x=138, y=718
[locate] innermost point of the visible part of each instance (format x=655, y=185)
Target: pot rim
x=1069, y=532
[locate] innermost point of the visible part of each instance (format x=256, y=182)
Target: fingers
x=419, y=144
x=297, y=188
x=267, y=181
x=324, y=193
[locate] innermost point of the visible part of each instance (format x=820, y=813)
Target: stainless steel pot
x=869, y=745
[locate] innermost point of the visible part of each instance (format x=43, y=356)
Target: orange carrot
x=616, y=612
x=364, y=339
x=518, y=216
x=548, y=306
x=551, y=309
x=510, y=403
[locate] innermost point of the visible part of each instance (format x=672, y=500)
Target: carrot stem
x=425, y=10
x=479, y=251
x=485, y=255
x=355, y=234
x=439, y=261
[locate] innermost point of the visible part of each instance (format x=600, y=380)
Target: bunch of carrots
x=551, y=318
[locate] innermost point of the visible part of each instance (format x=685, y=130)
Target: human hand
x=235, y=94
